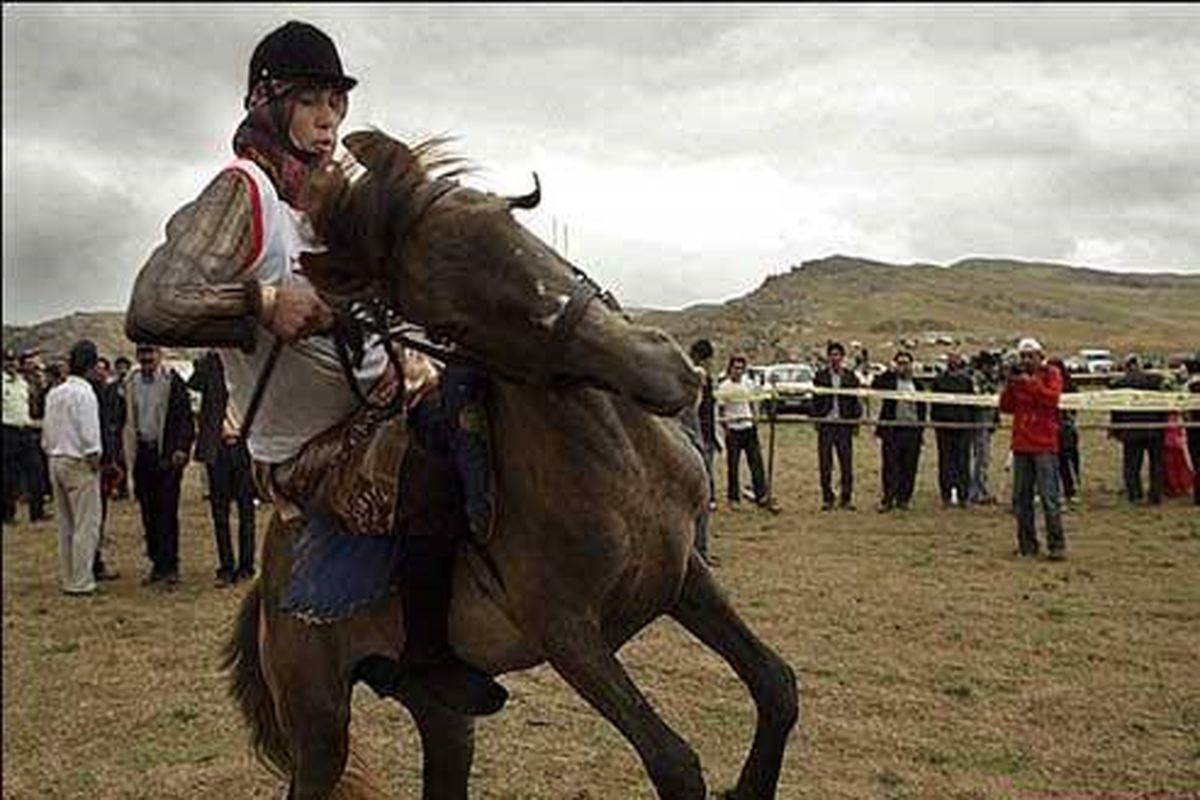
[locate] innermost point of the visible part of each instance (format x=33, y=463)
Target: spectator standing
x=1193, y=433
x=223, y=451
x=736, y=413
x=984, y=369
x=121, y=367
x=705, y=427
x=99, y=379
x=71, y=440
x=900, y=441
x=1137, y=443
x=837, y=419
x=1179, y=474
x=159, y=430
x=1031, y=393
x=36, y=472
x=954, y=443
x=15, y=421
x=1068, y=438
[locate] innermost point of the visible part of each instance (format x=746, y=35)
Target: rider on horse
x=228, y=276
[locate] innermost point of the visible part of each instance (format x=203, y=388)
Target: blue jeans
x=1037, y=472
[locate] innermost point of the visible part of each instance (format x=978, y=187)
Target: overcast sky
x=689, y=151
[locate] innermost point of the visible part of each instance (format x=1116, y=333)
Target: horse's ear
x=377, y=151
x=333, y=274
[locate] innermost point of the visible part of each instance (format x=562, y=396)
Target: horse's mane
x=362, y=206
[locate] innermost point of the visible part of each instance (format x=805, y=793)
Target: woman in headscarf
x=227, y=277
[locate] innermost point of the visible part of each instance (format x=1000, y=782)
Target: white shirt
x=735, y=412
x=835, y=382
x=906, y=410
x=71, y=426
x=16, y=401
x=307, y=392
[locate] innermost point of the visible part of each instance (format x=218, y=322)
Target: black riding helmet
x=298, y=50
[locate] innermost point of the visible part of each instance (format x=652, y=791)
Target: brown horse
x=597, y=498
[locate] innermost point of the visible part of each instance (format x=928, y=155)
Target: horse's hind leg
x=704, y=611
x=312, y=704
x=577, y=650
x=447, y=746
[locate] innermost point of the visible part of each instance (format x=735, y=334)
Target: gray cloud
x=693, y=149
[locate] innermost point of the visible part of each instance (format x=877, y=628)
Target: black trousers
x=835, y=439
x=736, y=443
x=1138, y=444
x=954, y=463
x=231, y=481
x=14, y=470
x=24, y=468
x=156, y=486
x=901, y=456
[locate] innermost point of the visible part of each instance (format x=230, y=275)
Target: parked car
x=793, y=384
x=1096, y=359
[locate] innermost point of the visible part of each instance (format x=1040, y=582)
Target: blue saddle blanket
x=335, y=573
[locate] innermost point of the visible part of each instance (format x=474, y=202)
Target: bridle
x=369, y=314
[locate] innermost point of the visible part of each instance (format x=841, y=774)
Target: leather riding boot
x=427, y=658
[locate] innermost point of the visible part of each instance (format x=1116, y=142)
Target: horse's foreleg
x=578, y=652
x=447, y=746
x=703, y=610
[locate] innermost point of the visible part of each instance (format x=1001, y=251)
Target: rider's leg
x=427, y=565
x=464, y=396
x=425, y=584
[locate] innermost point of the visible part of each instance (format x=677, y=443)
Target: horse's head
x=453, y=260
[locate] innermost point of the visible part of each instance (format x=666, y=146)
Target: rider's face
x=316, y=115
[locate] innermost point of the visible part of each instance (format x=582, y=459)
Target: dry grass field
x=932, y=663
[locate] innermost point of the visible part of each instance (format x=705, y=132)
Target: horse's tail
x=241, y=659
x=248, y=687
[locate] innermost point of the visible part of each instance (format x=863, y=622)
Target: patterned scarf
x=263, y=138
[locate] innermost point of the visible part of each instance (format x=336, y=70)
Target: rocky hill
x=54, y=337
x=975, y=302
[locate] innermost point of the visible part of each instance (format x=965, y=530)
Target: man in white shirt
x=71, y=440
x=736, y=414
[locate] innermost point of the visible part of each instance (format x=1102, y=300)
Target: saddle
x=350, y=473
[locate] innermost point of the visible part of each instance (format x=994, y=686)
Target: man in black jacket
x=900, y=442
x=954, y=444
x=159, y=431
x=221, y=448
x=837, y=422
x=1140, y=442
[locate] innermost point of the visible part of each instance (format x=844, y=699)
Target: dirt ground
x=932, y=662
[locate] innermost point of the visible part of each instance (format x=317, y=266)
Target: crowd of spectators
x=1043, y=456
x=78, y=434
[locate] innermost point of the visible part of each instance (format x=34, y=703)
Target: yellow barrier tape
x=1100, y=400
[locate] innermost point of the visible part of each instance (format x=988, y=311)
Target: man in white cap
x=1031, y=393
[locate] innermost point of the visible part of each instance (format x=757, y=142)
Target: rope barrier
x=891, y=423
x=1100, y=400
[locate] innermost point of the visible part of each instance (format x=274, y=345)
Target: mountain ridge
x=981, y=301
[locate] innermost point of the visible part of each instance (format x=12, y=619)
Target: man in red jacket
x=1031, y=393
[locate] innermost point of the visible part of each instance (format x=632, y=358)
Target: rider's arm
x=197, y=288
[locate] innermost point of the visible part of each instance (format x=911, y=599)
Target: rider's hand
x=295, y=311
